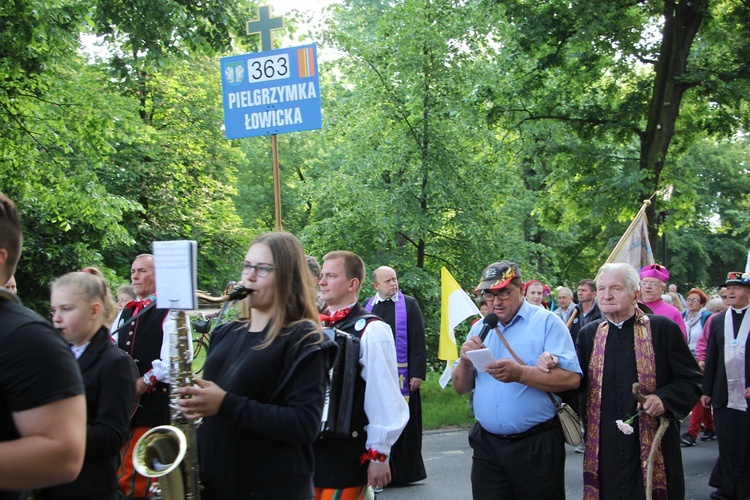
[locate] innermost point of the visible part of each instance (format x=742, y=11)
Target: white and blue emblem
x=234, y=73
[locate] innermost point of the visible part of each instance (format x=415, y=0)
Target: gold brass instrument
x=169, y=452
x=232, y=292
x=204, y=325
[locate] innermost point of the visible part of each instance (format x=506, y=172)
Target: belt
x=537, y=429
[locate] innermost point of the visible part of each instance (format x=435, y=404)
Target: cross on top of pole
x=265, y=25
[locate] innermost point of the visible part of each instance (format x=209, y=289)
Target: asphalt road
x=447, y=458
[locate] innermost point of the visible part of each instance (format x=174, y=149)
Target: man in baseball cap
x=653, y=284
x=517, y=429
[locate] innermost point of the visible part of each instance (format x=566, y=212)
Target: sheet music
x=176, y=270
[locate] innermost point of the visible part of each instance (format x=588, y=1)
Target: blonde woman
x=82, y=310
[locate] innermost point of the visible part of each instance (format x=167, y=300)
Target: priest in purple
x=653, y=284
x=403, y=314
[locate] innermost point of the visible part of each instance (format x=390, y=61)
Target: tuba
x=169, y=452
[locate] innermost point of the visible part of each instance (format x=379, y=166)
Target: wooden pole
x=572, y=317
x=276, y=181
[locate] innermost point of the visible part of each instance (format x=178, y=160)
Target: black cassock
x=731, y=474
x=407, y=465
x=678, y=381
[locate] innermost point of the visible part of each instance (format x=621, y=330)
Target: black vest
x=337, y=460
x=142, y=339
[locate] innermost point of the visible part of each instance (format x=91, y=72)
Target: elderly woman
x=695, y=317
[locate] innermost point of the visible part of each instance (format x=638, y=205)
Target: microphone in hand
x=490, y=322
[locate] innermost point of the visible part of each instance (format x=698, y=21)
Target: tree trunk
x=681, y=23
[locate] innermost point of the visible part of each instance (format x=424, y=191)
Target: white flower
x=624, y=428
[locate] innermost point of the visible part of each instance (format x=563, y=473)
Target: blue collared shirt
x=511, y=408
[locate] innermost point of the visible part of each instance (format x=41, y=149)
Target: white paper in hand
x=480, y=358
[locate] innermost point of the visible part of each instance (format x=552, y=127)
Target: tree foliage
x=455, y=134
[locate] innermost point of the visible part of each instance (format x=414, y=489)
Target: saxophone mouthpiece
x=238, y=293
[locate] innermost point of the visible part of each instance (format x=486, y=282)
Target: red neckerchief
x=335, y=317
x=138, y=305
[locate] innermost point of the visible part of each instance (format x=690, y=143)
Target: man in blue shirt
x=519, y=448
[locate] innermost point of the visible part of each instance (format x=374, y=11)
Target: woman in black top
x=263, y=389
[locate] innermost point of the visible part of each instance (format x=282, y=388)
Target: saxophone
x=169, y=452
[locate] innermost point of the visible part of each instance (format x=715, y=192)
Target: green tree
x=409, y=174
x=601, y=87
x=182, y=171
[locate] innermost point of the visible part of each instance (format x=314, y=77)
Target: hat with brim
x=498, y=275
x=655, y=271
x=738, y=278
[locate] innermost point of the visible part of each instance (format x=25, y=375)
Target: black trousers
x=528, y=468
x=731, y=474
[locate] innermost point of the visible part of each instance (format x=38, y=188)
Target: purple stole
x=402, y=341
x=646, y=368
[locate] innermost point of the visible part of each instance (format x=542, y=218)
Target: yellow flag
x=455, y=306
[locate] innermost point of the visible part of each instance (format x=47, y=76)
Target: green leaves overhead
x=455, y=133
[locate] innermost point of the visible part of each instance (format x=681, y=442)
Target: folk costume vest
x=337, y=462
x=142, y=338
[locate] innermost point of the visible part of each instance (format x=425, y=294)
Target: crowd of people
x=629, y=326
x=632, y=356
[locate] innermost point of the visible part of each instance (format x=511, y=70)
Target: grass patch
x=443, y=408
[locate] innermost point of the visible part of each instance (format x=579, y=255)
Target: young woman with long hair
x=262, y=393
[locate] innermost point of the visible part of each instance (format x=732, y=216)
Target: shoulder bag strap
x=145, y=309
x=520, y=362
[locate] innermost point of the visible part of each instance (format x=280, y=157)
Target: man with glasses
x=565, y=303
x=519, y=448
x=653, y=284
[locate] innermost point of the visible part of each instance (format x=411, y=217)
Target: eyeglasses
x=261, y=270
x=649, y=284
x=692, y=299
x=502, y=295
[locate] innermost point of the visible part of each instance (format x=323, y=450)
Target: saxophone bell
x=169, y=452
x=159, y=451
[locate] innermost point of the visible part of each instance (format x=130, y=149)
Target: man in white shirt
x=348, y=466
x=565, y=303
x=726, y=387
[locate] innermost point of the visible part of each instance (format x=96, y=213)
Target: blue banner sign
x=272, y=92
